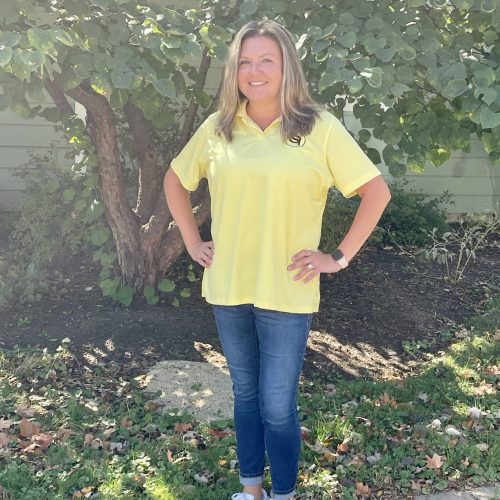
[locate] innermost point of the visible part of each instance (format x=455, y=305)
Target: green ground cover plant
x=73, y=429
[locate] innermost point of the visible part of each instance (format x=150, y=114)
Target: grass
x=101, y=436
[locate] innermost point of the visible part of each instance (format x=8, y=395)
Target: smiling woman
x=270, y=155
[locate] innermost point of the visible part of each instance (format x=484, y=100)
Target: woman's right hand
x=202, y=252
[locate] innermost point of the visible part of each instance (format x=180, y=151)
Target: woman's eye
x=243, y=62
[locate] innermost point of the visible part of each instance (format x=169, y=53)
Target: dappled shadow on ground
x=367, y=311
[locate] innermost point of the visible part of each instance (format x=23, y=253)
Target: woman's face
x=260, y=70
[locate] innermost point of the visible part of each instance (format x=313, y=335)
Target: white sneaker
x=247, y=496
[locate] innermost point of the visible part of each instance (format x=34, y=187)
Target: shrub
x=407, y=220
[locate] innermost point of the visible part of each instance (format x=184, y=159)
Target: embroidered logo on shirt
x=296, y=141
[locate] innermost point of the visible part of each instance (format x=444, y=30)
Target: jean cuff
x=252, y=480
x=282, y=496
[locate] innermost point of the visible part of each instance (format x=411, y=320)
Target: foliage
x=75, y=427
x=457, y=247
x=407, y=220
x=422, y=77
x=410, y=215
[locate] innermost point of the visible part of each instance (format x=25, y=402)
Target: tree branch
x=121, y=218
x=58, y=96
x=145, y=152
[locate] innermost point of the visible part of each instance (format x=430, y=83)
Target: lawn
x=69, y=429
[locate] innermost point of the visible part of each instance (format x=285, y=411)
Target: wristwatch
x=339, y=258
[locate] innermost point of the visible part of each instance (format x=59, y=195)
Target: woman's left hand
x=312, y=263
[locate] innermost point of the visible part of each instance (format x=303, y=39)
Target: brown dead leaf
x=24, y=411
x=170, y=456
x=329, y=456
x=220, y=434
x=362, y=489
x=182, y=427
x=5, y=439
x=493, y=370
x=126, y=423
x=109, y=431
x=496, y=335
x=43, y=440
x=484, y=388
x=28, y=429
x=151, y=406
x=434, y=462
x=87, y=441
x=342, y=447
x=64, y=433
x=5, y=424
x=385, y=399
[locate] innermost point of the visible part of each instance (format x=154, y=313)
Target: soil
x=366, y=314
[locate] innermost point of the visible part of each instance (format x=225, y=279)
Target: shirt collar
x=242, y=113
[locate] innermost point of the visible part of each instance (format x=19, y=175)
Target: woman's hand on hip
x=311, y=264
x=202, y=252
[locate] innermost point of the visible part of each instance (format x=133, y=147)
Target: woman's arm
x=375, y=196
x=179, y=204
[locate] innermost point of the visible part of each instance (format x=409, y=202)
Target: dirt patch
x=367, y=311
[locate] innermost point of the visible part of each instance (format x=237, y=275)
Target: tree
x=423, y=76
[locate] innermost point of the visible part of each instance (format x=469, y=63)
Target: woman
x=270, y=155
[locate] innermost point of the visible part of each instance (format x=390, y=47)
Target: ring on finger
x=310, y=266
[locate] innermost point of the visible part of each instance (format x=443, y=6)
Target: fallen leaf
x=5, y=439
x=109, y=431
x=126, y=423
x=484, y=388
x=434, y=462
x=493, y=370
x=182, y=427
x=23, y=410
x=5, y=424
x=28, y=429
x=362, y=489
x=220, y=434
x=482, y=446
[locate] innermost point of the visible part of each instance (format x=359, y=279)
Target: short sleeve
x=191, y=163
x=347, y=162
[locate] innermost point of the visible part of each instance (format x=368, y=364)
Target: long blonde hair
x=298, y=110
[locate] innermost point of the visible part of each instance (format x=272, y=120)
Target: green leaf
x=191, y=276
x=5, y=55
x=109, y=286
x=397, y=169
x=248, y=7
x=69, y=194
x=488, y=118
x=99, y=236
x=348, y=40
x=121, y=80
x=185, y=293
x=326, y=80
x=484, y=77
x=488, y=6
x=165, y=87
x=150, y=294
x=42, y=41
x=9, y=39
x=375, y=23
x=391, y=136
x=124, y=295
x=58, y=34
x=176, y=302
x=107, y=259
x=454, y=88
x=166, y=285
x=488, y=94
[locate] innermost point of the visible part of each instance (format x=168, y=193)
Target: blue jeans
x=265, y=350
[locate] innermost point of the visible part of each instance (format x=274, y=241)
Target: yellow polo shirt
x=267, y=203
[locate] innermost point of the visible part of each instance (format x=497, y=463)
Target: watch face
x=337, y=254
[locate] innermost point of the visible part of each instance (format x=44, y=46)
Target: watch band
x=339, y=258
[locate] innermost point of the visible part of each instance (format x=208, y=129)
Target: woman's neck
x=263, y=115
